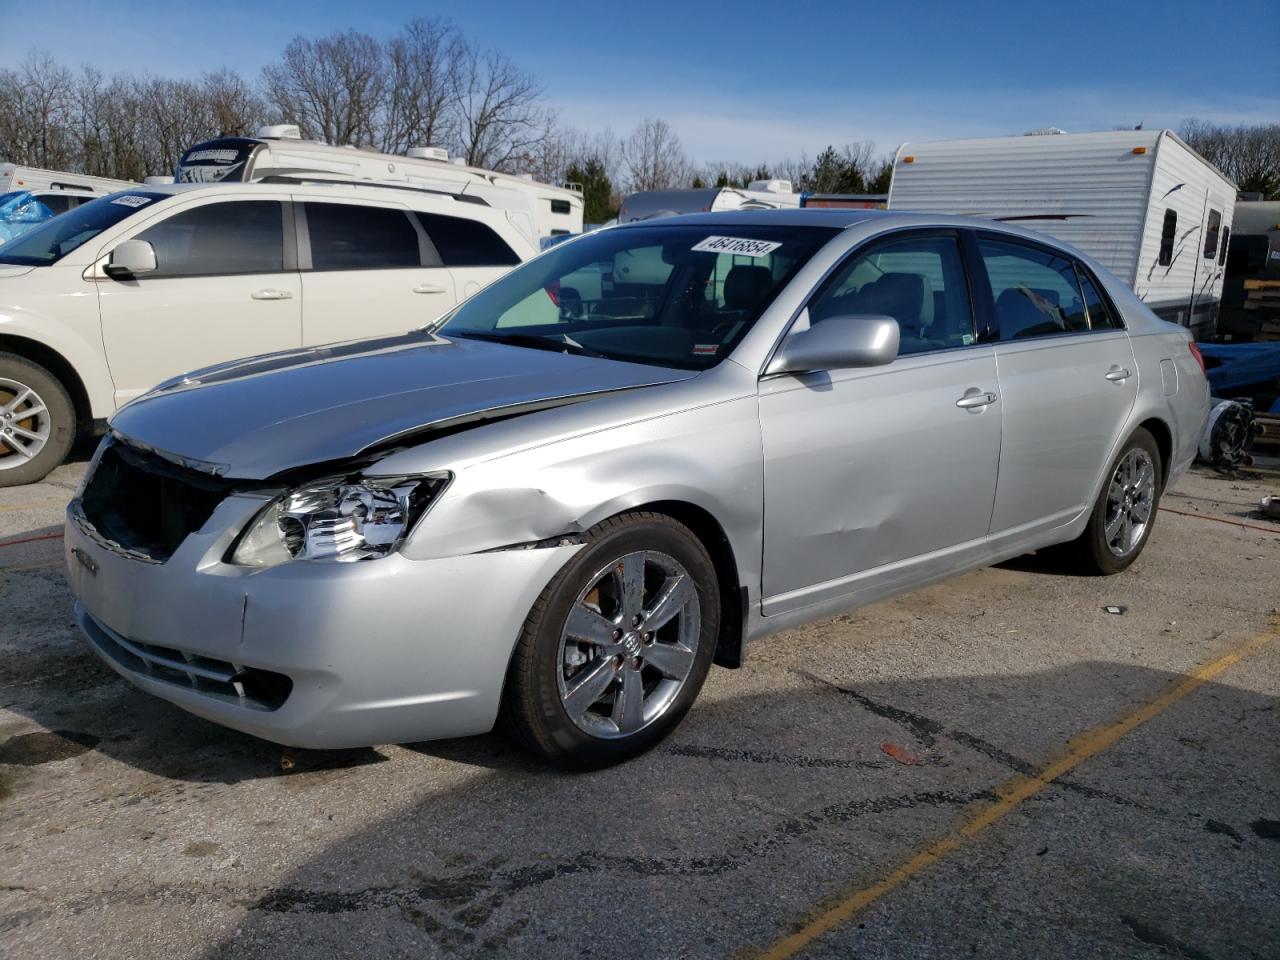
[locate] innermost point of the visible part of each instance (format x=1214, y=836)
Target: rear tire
x=617, y=646
x=1125, y=511
x=37, y=421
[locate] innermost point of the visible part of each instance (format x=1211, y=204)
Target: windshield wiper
x=561, y=343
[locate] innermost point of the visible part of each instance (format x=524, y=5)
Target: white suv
x=101, y=303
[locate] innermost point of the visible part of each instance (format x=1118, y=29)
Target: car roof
x=845, y=219
x=793, y=217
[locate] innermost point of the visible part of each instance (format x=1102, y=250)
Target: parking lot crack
x=928, y=731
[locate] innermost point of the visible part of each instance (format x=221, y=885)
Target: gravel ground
x=796, y=798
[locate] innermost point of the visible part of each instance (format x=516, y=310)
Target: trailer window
x=1222, y=251
x=1167, y=234
x=560, y=206
x=466, y=243
x=1211, y=235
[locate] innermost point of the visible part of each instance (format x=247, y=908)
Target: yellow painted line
x=34, y=505
x=1010, y=795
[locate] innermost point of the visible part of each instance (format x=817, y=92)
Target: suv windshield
x=671, y=295
x=53, y=240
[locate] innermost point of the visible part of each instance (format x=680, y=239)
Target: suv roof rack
x=306, y=176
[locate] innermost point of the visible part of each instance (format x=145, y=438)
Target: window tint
x=667, y=294
x=1035, y=291
x=919, y=281
x=1100, y=315
x=240, y=236
x=467, y=243
x=348, y=236
x=1167, y=234
x=560, y=206
x=1226, y=240
x=1211, y=235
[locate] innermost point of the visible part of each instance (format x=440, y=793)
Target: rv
x=1142, y=202
x=14, y=178
x=759, y=195
x=278, y=153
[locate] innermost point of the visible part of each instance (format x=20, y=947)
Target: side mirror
x=130, y=259
x=837, y=343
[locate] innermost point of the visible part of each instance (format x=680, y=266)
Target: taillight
x=1195, y=352
x=553, y=291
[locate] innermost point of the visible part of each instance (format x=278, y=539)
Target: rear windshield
x=53, y=240
x=670, y=294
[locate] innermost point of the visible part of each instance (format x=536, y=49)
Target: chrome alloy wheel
x=24, y=424
x=628, y=644
x=1130, y=500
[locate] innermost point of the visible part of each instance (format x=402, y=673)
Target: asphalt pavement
x=995, y=766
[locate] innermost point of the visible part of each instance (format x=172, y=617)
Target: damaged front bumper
x=309, y=654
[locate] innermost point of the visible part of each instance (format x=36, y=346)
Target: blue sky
x=754, y=81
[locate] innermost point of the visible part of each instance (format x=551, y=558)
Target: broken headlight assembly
x=337, y=521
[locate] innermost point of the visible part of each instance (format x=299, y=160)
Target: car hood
x=255, y=418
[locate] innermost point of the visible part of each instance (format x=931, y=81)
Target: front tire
x=1125, y=510
x=37, y=421
x=617, y=646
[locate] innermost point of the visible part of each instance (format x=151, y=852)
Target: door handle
x=429, y=288
x=1118, y=374
x=971, y=400
x=272, y=295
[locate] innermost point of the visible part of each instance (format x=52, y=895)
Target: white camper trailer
x=16, y=177
x=1142, y=202
x=279, y=153
x=759, y=195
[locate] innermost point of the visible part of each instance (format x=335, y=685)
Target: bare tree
x=333, y=88
x=421, y=64
x=500, y=122
x=234, y=109
x=653, y=157
x=34, y=120
x=1248, y=155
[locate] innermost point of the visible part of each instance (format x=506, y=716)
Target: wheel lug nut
x=635, y=664
x=617, y=634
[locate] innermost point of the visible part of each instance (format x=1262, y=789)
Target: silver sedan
x=559, y=505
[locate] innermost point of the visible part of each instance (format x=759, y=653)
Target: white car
x=100, y=304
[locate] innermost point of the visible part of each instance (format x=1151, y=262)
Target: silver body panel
x=832, y=490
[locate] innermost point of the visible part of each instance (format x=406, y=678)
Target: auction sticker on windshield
x=739, y=246
x=132, y=201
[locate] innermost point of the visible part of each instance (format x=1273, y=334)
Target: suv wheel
x=37, y=421
x=617, y=646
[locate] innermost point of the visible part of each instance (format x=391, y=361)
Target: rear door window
x=234, y=237
x=349, y=236
x=1100, y=315
x=58, y=203
x=1035, y=291
x=466, y=243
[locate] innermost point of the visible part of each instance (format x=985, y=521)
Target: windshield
x=671, y=294
x=54, y=239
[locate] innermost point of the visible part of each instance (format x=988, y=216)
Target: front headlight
x=337, y=521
